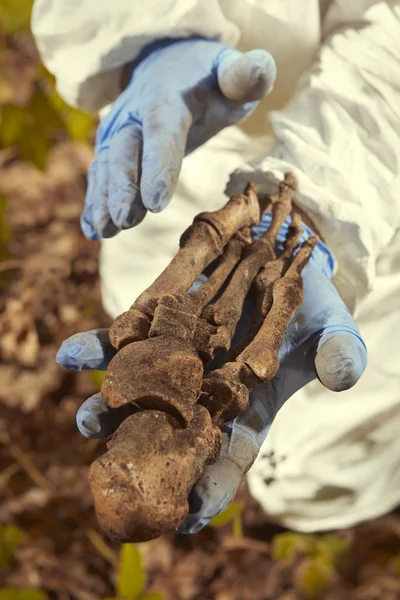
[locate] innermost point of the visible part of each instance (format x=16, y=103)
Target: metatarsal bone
x=262, y=355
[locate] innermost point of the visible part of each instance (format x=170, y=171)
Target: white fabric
x=86, y=43
x=336, y=456
x=340, y=135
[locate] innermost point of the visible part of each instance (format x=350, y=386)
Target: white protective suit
x=336, y=119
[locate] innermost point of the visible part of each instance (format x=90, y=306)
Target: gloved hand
x=322, y=341
x=181, y=93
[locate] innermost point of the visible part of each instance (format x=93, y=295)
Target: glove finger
x=241, y=443
x=340, y=355
x=323, y=322
x=124, y=199
x=246, y=77
x=87, y=215
x=340, y=361
x=101, y=220
x=89, y=350
x=96, y=420
x=165, y=131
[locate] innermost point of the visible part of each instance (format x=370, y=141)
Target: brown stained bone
x=141, y=484
x=263, y=283
x=262, y=355
x=228, y=262
x=205, y=331
x=272, y=270
x=282, y=204
x=226, y=312
x=174, y=322
x=226, y=391
x=163, y=372
x=200, y=245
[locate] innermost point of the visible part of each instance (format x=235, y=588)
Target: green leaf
x=22, y=594
x=12, y=124
x=395, y=564
x=34, y=146
x=131, y=577
x=86, y=306
x=6, y=90
x=286, y=545
x=314, y=578
x=233, y=510
x=332, y=547
x=45, y=76
x=79, y=125
x=10, y=538
x=30, y=128
x=5, y=230
x=44, y=115
x=15, y=15
x=237, y=525
x=98, y=377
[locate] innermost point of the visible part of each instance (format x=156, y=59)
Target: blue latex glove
x=322, y=341
x=181, y=93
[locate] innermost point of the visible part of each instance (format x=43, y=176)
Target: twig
x=102, y=547
x=26, y=463
x=8, y=265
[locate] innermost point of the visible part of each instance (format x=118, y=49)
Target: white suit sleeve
x=86, y=43
x=341, y=137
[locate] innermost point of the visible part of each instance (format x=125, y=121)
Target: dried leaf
x=22, y=594
x=19, y=340
x=31, y=500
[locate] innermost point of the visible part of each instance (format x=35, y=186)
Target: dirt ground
x=49, y=289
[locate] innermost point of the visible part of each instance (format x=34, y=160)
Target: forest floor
x=49, y=289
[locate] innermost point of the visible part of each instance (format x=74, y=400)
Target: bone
x=200, y=245
x=141, y=484
x=163, y=372
x=262, y=355
x=225, y=391
x=226, y=312
x=263, y=283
